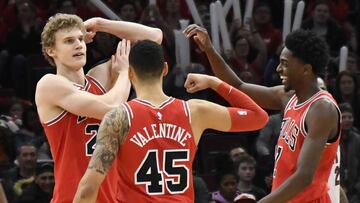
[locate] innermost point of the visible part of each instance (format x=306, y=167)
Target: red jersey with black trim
x=292, y=135
x=155, y=161
x=72, y=141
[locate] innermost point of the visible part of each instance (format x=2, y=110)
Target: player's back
x=292, y=136
x=155, y=161
x=72, y=140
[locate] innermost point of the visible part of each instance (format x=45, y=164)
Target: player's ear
x=50, y=51
x=165, y=69
x=130, y=73
x=308, y=69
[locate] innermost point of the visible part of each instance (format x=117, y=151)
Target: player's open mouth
x=283, y=79
x=80, y=54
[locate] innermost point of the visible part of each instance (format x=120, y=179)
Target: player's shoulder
x=51, y=79
x=324, y=105
x=51, y=84
x=197, y=104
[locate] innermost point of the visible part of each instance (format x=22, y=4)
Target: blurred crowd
x=227, y=164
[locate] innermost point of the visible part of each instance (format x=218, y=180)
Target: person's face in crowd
x=16, y=111
x=346, y=85
x=262, y=15
x=246, y=171
x=351, y=64
x=67, y=7
x=242, y=47
x=173, y=6
x=321, y=13
x=69, y=49
x=128, y=13
x=236, y=153
x=25, y=11
x=228, y=186
x=46, y=181
x=347, y=120
x=27, y=157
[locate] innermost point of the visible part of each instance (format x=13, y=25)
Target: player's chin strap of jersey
x=245, y=114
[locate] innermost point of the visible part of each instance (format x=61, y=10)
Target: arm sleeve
x=245, y=114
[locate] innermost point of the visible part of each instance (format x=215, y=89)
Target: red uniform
x=292, y=136
x=155, y=161
x=72, y=140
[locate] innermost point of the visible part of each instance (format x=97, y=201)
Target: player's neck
x=152, y=93
x=306, y=91
x=75, y=76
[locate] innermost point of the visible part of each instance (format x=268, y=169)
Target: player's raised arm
x=66, y=96
x=112, y=133
x=275, y=97
x=123, y=29
x=244, y=115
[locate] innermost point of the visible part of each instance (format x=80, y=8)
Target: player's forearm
x=221, y=69
x=289, y=189
x=237, y=98
x=129, y=30
x=248, y=115
x=85, y=194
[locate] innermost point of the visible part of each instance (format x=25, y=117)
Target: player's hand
x=196, y=82
x=91, y=28
x=120, y=60
x=200, y=35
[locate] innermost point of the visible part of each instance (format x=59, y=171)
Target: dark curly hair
x=309, y=48
x=147, y=59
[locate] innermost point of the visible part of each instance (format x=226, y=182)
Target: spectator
x=201, y=191
x=262, y=20
x=41, y=189
x=350, y=154
x=6, y=147
x=127, y=11
x=324, y=26
x=347, y=90
x=246, y=173
x=227, y=191
x=22, y=174
x=236, y=154
x=244, y=62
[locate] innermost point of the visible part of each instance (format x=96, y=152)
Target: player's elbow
x=158, y=37
x=84, y=193
x=262, y=118
x=305, y=178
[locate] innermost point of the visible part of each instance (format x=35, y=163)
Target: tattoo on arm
x=112, y=133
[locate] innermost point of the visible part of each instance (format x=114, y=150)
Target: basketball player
x=310, y=129
x=70, y=104
x=154, y=136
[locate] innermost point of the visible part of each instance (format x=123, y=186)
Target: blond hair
x=55, y=23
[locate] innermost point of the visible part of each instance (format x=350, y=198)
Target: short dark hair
x=309, y=48
x=44, y=167
x=247, y=159
x=147, y=59
x=28, y=144
x=346, y=107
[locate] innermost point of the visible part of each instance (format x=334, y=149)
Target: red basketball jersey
x=155, y=161
x=292, y=135
x=72, y=140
